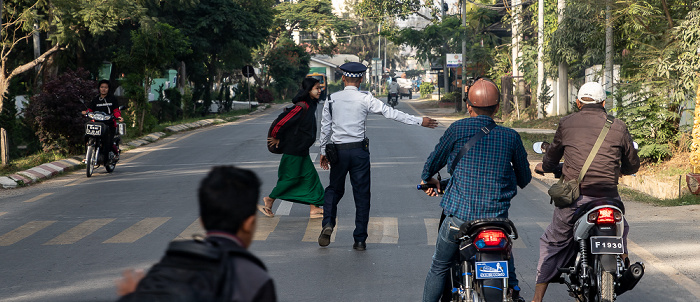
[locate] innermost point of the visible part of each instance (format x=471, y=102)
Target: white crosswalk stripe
x=381, y=230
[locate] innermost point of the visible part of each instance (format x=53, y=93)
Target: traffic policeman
x=343, y=125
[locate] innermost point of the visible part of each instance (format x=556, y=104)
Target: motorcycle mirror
x=540, y=147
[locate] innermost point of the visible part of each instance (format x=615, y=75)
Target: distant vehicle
x=405, y=87
x=321, y=77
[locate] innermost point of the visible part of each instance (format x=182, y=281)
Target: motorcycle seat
x=473, y=226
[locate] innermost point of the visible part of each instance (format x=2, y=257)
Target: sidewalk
x=48, y=170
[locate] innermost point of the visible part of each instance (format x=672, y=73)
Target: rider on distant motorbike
x=482, y=184
x=573, y=140
x=394, y=90
x=107, y=103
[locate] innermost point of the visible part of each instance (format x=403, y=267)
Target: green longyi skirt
x=298, y=181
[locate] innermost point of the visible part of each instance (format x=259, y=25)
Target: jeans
x=446, y=248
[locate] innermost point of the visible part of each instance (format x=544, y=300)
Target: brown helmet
x=483, y=93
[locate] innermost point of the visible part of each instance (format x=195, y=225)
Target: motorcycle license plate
x=607, y=245
x=492, y=270
x=91, y=129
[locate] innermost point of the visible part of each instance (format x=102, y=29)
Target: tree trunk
x=4, y=148
x=695, y=146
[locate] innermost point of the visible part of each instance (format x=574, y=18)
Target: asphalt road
x=68, y=238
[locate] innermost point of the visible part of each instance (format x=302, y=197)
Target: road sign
x=248, y=71
x=454, y=60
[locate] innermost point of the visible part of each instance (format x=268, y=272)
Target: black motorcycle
x=598, y=271
x=481, y=272
x=97, y=136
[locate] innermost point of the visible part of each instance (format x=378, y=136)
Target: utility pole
x=381, y=68
x=515, y=42
x=445, y=73
x=458, y=105
x=563, y=81
x=609, y=67
x=540, y=55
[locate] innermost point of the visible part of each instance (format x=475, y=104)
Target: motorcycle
x=481, y=273
x=393, y=99
x=597, y=272
x=96, y=134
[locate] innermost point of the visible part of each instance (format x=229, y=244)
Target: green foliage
x=379, y=9
x=451, y=97
x=544, y=98
x=188, y=103
x=314, y=19
x=18, y=132
x=650, y=120
x=288, y=65
x=54, y=114
x=167, y=107
x=426, y=89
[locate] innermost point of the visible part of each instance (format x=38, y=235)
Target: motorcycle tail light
x=605, y=216
x=491, y=240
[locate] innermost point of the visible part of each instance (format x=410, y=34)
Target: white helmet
x=591, y=90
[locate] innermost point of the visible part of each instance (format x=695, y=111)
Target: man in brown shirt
x=573, y=141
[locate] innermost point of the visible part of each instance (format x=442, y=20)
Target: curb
x=48, y=170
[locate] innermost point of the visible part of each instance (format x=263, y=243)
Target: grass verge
x=686, y=199
x=31, y=161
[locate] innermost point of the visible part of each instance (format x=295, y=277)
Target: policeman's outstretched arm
x=429, y=122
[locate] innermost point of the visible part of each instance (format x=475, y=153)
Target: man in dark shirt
x=228, y=204
x=573, y=141
x=483, y=181
x=107, y=103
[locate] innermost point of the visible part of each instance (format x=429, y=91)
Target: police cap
x=353, y=69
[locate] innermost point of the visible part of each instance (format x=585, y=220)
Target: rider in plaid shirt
x=482, y=183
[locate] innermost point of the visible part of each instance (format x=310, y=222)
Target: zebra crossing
x=381, y=230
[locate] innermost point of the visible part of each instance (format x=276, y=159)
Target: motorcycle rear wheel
x=90, y=160
x=606, y=285
x=109, y=163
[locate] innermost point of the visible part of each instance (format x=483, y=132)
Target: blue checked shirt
x=485, y=179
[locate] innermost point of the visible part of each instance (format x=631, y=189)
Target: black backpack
x=193, y=270
x=278, y=150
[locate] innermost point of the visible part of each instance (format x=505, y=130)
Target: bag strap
x=608, y=123
x=472, y=141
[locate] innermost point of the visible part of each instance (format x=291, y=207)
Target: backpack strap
x=472, y=141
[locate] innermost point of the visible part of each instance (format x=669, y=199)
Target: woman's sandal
x=265, y=210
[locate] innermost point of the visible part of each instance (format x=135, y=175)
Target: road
x=68, y=238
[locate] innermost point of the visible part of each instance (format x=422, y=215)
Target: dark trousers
x=356, y=162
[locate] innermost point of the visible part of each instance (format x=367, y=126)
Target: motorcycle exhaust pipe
x=631, y=277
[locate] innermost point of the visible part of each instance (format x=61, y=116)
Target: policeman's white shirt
x=350, y=110
x=394, y=87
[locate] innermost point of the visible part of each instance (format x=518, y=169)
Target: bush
x=426, y=88
x=451, y=97
x=54, y=114
x=652, y=123
x=264, y=95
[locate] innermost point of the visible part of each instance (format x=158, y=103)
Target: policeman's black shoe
x=359, y=245
x=325, y=238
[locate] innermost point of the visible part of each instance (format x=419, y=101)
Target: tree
x=222, y=34
x=49, y=112
x=380, y=9
x=313, y=20
x=153, y=48
x=64, y=22
x=288, y=64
